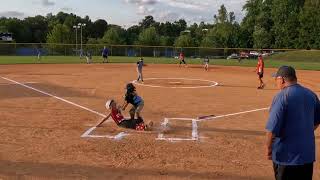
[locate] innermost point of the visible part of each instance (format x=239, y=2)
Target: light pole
x=81, y=27
x=76, y=27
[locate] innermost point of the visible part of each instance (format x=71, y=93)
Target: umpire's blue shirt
x=293, y=115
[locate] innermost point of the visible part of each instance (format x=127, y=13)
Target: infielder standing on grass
x=260, y=71
x=105, y=53
x=115, y=113
x=131, y=97
x=206, y=63
x=181, y=59
x=294, y=116
x=139, y=69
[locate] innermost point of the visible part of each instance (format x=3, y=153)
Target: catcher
x=115, y=113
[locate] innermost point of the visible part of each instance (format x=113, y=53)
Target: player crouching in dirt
x=131, y=97
x=115, y=113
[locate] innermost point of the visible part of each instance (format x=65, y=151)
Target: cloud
x=187, y=4
x=168, y=16
x=12, y=14
x=144, y=10
x=47, y=3
x=67, y=9
x=142, y=2
x=190, y=10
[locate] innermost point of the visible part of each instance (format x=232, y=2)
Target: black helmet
x=130, y=87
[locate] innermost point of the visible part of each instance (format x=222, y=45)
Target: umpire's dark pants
x=300, y=172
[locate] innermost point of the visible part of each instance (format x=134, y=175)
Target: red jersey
x=181, y=56
x=260, y=66
x=117, y=116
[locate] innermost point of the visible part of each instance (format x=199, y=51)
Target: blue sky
x=124, y=12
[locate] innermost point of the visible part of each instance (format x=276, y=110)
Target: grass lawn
x=298, y=59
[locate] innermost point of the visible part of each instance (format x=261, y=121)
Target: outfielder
x=260, y=70
x=139, y=69
x=105, y=53
x=181, y=58
x=206, y=63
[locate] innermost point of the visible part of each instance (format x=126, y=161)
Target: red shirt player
x=119, y=119
x=260, y=71
x=181, y=58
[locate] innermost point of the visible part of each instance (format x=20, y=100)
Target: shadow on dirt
x=32, y=170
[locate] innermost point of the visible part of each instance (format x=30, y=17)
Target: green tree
x=262, y=38
x=225, y=32
x=285, y=15
x=113, y=37
x=258, y=16
x=38, y=26
x=99, y=27
x=149, y=37
x=184, y=41
x=165, y=41
x=310, y=25
x=59, y=35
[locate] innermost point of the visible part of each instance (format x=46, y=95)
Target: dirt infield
x=41, y=129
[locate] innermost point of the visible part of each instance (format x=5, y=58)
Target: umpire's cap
x=286, y=72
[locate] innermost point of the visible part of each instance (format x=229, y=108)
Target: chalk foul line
x=56, y=97
x=233, y=114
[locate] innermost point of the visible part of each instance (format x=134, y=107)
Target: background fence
x=29, y=49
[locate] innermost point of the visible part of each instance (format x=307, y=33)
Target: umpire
x=294, y=116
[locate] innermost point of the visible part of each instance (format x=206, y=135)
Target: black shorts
x=260, y=74
x=105, y=56
x=282, y=172
x=130, y=123
x=183, y=61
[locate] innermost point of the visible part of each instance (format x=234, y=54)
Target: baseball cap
x=286, y=71
x=108, y=103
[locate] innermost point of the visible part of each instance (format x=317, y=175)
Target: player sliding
x=260, y=70
x=115, y=113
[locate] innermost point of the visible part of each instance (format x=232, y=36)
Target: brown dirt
x=40, y=135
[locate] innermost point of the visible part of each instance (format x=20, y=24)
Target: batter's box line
x=194, y=134
x=88, y=134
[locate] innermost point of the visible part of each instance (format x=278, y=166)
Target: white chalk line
x=213, y=83
x=233, y=114
x=56, y=97
x=87, y=134
x=194, y=132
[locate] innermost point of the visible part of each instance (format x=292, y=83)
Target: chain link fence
x=30, y=49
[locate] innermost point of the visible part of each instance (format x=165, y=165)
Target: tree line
x=267, y=24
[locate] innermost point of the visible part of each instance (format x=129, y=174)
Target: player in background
x=182, y=60
x=260, y=71
x=139, y=69
x=206, y=63
x=115, y=113
x=38, y=55
x=131, y=97
x=88, y=57
x=105, y=53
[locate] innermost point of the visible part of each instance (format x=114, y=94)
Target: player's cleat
x=149, y=126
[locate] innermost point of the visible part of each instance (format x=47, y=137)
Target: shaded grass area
x=298, y=56
x=274, y=61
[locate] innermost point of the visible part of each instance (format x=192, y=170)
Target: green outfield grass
x=274, y=61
